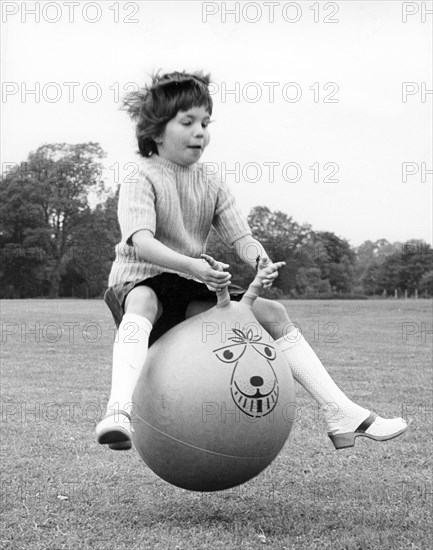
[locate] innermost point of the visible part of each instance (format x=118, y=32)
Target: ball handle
x=223, y=297
x=255, y=288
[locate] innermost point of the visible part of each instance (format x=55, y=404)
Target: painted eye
x=265, y=351
x=230, y=354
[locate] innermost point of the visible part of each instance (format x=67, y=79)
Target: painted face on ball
x=254, y=384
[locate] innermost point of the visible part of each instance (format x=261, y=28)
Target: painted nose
x=256, y=381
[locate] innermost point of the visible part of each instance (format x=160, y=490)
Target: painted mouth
x=258, y=404
x=199, y=147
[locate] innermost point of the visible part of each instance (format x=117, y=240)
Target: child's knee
x=272, y=316
x=270, y=311
x=279, y=311
x=142, y=300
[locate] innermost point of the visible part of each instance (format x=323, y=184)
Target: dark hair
x=152, y=106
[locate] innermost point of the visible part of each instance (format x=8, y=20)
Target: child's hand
x=268, y=271
x=211, y=273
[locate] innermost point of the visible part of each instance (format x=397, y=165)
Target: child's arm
x=151, y=250
x=249, y=249
x=229, y=223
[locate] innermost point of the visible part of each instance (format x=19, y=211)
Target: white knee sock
x=340, y=412
x=129, y=356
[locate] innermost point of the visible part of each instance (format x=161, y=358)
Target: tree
x=426, y=284
x=336, y=260
x=309, y=281
x=43, y=201
x=371, y=280
x=417, y=259
x=378, y=250
x=370, y=256
x=92, y=250
x=284, y=240
x=404, y=270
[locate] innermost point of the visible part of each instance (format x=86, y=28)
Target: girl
x=159, y=276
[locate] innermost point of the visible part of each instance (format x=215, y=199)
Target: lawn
x=61, y=490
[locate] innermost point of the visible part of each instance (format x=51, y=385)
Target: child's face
x=185, y=136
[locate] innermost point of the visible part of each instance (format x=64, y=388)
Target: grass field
x=61, y=490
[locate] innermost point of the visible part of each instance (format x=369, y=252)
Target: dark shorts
x=173, y=291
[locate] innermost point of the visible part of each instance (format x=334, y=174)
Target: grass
x=60, y=490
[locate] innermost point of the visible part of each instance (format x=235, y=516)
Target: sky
x=322, y=110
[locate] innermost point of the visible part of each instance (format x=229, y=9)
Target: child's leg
x=344, y=417
x=129, y=356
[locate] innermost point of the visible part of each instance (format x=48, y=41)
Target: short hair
x=152, y=106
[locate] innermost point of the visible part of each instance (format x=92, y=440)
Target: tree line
x=59, y=230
